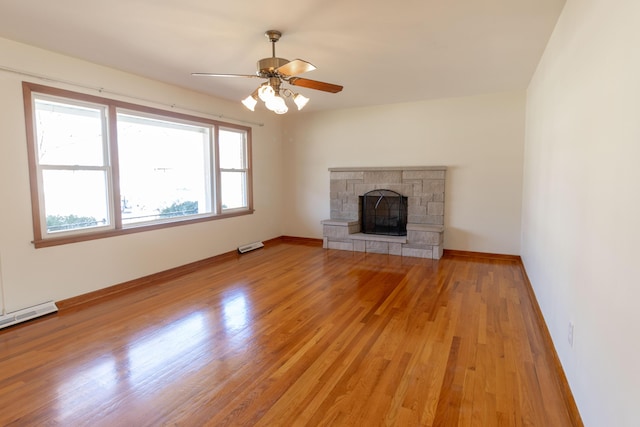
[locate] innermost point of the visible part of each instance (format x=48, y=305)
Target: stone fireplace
x=423, y=187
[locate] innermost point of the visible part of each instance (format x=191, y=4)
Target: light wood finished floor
x=291, y=335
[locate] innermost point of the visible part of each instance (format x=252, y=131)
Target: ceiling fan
x=276, y=71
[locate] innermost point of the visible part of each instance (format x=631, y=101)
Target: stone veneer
x=423, y=186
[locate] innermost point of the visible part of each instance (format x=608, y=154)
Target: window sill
x=56, y=241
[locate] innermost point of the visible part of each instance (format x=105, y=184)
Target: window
x=164, y=168
x=101, y=167
x=233, y=168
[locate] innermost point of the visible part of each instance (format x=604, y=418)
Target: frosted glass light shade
x=266, y=93
x=300, y=100
x=277, y=104
x=250, y=102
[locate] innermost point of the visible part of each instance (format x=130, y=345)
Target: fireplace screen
x=384, y=212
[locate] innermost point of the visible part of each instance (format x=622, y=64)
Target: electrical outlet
x=570, y=334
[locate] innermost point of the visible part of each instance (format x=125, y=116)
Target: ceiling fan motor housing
x=269, y=65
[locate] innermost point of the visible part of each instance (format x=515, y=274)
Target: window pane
x=231, y=149
x=164, y=169
x=234, y=190
x=68, y=134
x=75, y=199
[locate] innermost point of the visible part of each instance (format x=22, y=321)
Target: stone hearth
x=423, y=185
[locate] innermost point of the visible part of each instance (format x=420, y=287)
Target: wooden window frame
x=29, y=89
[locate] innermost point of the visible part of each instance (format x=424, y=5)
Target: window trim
x=111, y=107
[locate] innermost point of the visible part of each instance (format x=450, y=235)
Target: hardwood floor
x=293, y=335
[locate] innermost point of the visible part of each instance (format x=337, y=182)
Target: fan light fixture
x=273, y=98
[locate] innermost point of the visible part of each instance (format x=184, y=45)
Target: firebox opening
x=384, y=212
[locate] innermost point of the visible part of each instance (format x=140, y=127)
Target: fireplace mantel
x=388, y=168
x=424, y=186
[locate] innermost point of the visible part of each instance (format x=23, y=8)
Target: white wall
x=581, y=202
x=31, y=276
x=480, y=139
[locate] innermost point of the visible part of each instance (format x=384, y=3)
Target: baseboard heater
x=27, y=314
x=250, y=247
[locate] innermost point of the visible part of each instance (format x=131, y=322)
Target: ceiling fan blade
x=314, y=84
x=295, y=67
x=224, y=75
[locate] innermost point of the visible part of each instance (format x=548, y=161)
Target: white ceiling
x=381, y=51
